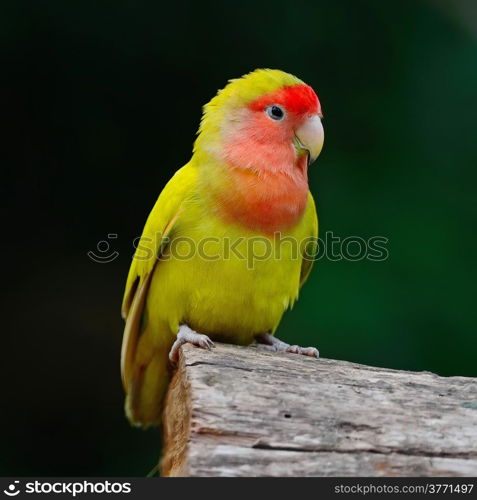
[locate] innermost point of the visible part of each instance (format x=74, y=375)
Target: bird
x=225, y=249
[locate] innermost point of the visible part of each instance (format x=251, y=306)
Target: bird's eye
x=275, y=112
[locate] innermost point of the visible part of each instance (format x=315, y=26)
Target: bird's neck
x=262, y=200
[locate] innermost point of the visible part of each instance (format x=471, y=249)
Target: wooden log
x=244, y=411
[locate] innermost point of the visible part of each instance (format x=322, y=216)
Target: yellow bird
x=226, y=247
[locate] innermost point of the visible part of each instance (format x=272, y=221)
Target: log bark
x=244, y=411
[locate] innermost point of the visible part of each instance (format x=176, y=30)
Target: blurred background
x=100, y=103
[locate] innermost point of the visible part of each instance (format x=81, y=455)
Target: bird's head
x=266, y=121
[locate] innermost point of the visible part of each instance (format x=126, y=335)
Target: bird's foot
x=312, y=352
x=185, y=335
x=271, y=343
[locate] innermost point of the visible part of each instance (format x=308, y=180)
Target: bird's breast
x=266, y=202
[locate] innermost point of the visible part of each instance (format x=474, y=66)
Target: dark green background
x=100, y=103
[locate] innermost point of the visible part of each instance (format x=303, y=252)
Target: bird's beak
x=309, y=137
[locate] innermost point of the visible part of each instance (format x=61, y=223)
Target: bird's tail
x=147, y=388
x=144, y=361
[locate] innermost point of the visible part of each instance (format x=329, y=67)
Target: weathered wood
x=244, y=411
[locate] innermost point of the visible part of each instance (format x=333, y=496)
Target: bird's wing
x=311, y=248
x=157, y=231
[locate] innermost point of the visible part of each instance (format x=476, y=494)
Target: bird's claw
x=271, y=343
x=312, y=352
x=204, y=342
x=185, y=335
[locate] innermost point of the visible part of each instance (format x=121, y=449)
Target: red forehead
x=298, y=99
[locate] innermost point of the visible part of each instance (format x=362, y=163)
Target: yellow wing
x=154, y=239
x=312, y=246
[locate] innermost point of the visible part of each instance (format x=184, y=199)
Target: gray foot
x=271, y=343
x=187, y=336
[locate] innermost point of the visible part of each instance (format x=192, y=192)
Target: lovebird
x=225, y=248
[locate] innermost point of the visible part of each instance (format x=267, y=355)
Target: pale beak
x=310, y=136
